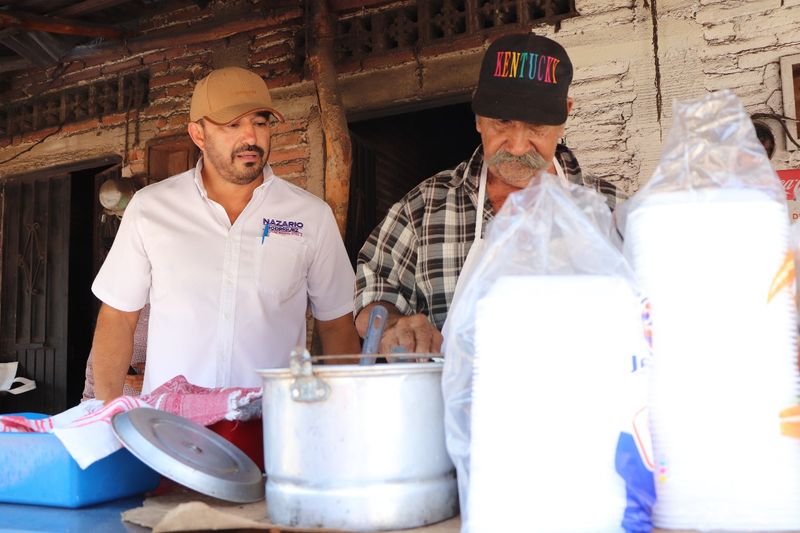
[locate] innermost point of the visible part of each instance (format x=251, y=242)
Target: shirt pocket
x=280, y=267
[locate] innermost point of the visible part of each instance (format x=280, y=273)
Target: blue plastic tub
x=35, y=468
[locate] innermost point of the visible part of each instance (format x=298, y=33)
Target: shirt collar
x=471, y=174
x=269, y=177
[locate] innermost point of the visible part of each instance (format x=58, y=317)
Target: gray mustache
x=531, y=159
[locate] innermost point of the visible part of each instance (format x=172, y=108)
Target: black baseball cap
x=524, y=77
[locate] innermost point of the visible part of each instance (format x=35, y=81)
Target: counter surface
x=104, y=517
x=107, y=517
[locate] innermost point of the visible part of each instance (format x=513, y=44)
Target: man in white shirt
x=227, y=254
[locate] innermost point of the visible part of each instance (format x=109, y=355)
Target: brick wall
x=744, y=41
x=703, y=46
x=173, y=73
x=621, y=115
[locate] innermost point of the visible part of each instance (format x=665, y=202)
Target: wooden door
x=169, y=156
x=361, y=215
x=34, y=299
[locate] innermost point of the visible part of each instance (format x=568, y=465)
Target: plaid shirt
x=412, y=259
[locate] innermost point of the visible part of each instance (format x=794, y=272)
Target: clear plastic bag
x=794, y=243
x=712, y=146
x=708, y=238
x=546, y=229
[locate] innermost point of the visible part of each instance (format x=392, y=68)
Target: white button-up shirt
x=225, y=299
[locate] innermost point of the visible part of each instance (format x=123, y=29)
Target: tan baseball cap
x=228, y=94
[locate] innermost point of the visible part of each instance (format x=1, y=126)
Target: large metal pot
x=358, y=448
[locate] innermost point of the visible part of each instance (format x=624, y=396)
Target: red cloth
x=205, y=406
x=85, y=430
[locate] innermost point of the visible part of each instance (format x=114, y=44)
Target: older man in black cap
x=411, y=263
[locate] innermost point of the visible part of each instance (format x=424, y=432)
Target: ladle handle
x=377, y=321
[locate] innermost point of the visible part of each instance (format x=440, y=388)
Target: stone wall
x=617, y=128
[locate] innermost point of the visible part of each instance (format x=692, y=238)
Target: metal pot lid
x=189, y=454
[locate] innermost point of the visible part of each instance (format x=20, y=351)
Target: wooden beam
x=9, y=65
x=338, y=150
x=92, y=6
x=200, y=33
x=22, y=44
x=41, y=6
x=87, y=6
x=349, y=5
x=29, y=5
x=25, y=21
x=53, y=45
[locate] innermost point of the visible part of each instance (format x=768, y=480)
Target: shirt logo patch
x=281, y=227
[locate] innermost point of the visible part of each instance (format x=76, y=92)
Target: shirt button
x=226, y=316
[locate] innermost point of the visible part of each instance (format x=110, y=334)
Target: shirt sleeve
x=330, y=275
x=124, y=279
x=574, y=174
x=613, y=194
x=386, y=267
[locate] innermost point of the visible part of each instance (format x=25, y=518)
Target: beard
x=517, y=170
x=227, y=165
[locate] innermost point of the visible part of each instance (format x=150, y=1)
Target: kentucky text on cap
x=228, y=94
x=512, y=64
x=524, y=77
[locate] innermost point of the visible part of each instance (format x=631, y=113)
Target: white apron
x=476, y=250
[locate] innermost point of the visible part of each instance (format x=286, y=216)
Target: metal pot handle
x=306, y=387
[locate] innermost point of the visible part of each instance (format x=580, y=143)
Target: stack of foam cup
x=724, y=358
x=552, y=359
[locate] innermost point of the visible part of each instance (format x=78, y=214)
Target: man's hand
x=412, y=334
x=415, y=334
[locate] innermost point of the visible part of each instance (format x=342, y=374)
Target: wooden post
x=338, y=150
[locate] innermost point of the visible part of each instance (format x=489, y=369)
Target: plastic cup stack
x=553, y=356
x=725, y=360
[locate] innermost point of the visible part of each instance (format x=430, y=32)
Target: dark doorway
x=392, y=154
x=47, y=310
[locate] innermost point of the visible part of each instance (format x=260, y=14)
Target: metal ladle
x=377, y=321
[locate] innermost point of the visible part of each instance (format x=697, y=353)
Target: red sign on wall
x=791, y=179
